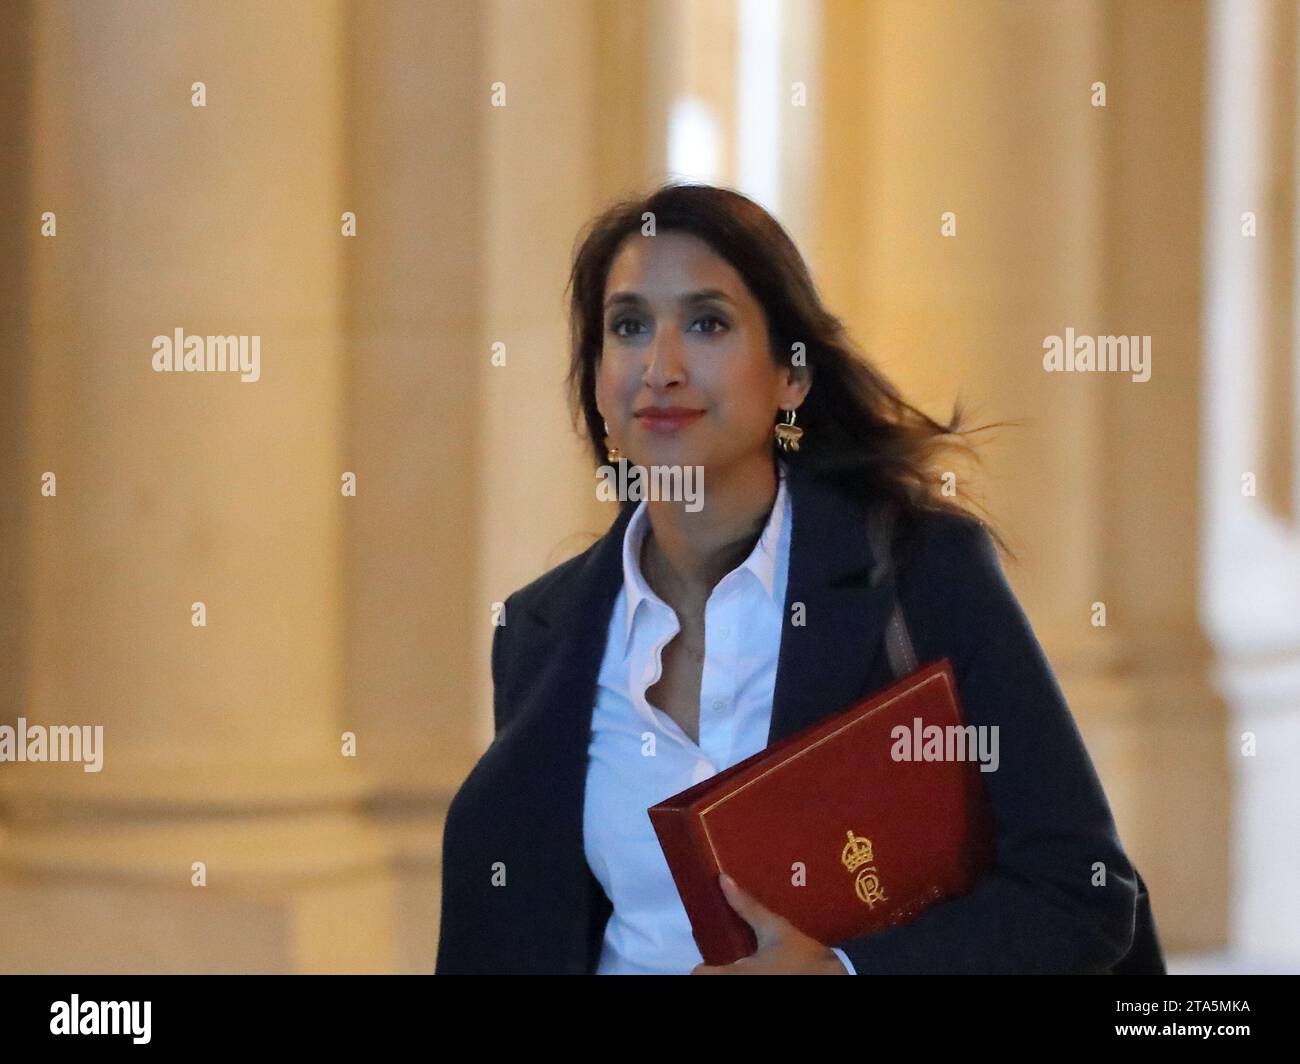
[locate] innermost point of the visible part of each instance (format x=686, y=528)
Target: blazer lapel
x=825, y=662
x=550, y=736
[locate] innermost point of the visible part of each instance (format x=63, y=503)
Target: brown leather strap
x=898, y=641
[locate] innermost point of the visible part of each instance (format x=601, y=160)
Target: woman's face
x=683, y=332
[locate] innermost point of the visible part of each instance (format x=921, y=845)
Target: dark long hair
x=860, y=432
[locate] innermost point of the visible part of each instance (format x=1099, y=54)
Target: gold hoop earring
x=788, y=434
x=612, y=453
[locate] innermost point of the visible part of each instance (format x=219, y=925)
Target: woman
x=670, y=649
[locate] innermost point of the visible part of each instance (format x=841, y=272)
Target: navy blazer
x=1043, y=908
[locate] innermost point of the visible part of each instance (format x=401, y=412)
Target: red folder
x=832, y=827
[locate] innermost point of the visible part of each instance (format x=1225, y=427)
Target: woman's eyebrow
x=702, y=295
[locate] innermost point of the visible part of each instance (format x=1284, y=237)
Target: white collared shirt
x=639, y=756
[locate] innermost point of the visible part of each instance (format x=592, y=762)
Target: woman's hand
x=782, y=948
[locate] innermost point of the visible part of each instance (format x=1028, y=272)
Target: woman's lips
x=667, y=419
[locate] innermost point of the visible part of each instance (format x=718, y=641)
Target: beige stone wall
x=371, y=614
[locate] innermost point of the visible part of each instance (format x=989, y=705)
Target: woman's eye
x=713, y=318
x=616, y=326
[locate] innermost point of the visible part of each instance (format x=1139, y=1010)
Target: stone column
x=545, y=161
x=1251, y=460
x=221, y=743
x=1165, y=729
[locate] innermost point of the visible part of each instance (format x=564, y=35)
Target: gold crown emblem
x=857, y=852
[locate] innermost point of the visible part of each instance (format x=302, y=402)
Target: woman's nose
x=667, y=361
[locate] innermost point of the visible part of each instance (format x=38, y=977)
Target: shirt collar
x=761, y=562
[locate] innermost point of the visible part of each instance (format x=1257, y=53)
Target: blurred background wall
x=353, y=192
